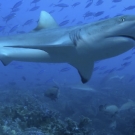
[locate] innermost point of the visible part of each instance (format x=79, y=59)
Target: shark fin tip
x=83, y=79
x=84, y=68
x=5, y=63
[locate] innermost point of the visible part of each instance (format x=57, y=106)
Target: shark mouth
x=133, y=38
x=124, y=36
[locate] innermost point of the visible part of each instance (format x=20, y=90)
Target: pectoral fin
x=84, y=68
x=5, y=62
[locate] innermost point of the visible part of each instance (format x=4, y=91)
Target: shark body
x=79, y=46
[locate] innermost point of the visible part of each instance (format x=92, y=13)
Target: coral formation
x=26, y=116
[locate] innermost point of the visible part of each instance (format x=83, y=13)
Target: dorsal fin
x=46, y=21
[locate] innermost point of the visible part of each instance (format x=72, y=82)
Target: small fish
x=62, y=5
x=23, y=78
x=34, y=1
x=89, y=4
x=18, y=67
x=52, y=92
x=9, y=17
x=128, y=105
x=14, y=28
x=106, y=71
x=111, y=110
x=118, y=15
x=126, y=64
x=15, y=9
x=102, y=68
x=65, y=16
x=129, y=8
x=95, y=68
x=73, y=20
x=98, y=13
x=112, y=70
x=76, y=4
x=34, y=8
x=21, y=32
x=65, y=69
x=89, y=1
x=116, y=77
x=16, y=5
x=28, y=22
x=127, y=58
x=52, y=11
x=113, y=6
x=11, y=14
x=64, y=23
x=120, y=69
x=60, y=1
x=116, y=1
x=106, y=17
x=88, y=14
x=99, y=2
x=80, y=22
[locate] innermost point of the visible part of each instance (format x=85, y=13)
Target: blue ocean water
x=54, y=92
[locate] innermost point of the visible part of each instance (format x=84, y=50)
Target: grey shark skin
x=79, y=46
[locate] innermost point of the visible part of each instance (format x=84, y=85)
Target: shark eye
x=122, y=19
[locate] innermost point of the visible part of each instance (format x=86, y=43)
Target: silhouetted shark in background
x=79, y=46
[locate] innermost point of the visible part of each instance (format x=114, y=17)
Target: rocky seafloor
x=23, y=114
x=31, y=112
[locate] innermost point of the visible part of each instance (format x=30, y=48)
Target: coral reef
x=20, y=120
x=26, y=116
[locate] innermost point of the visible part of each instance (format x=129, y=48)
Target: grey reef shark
x=80, y=46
